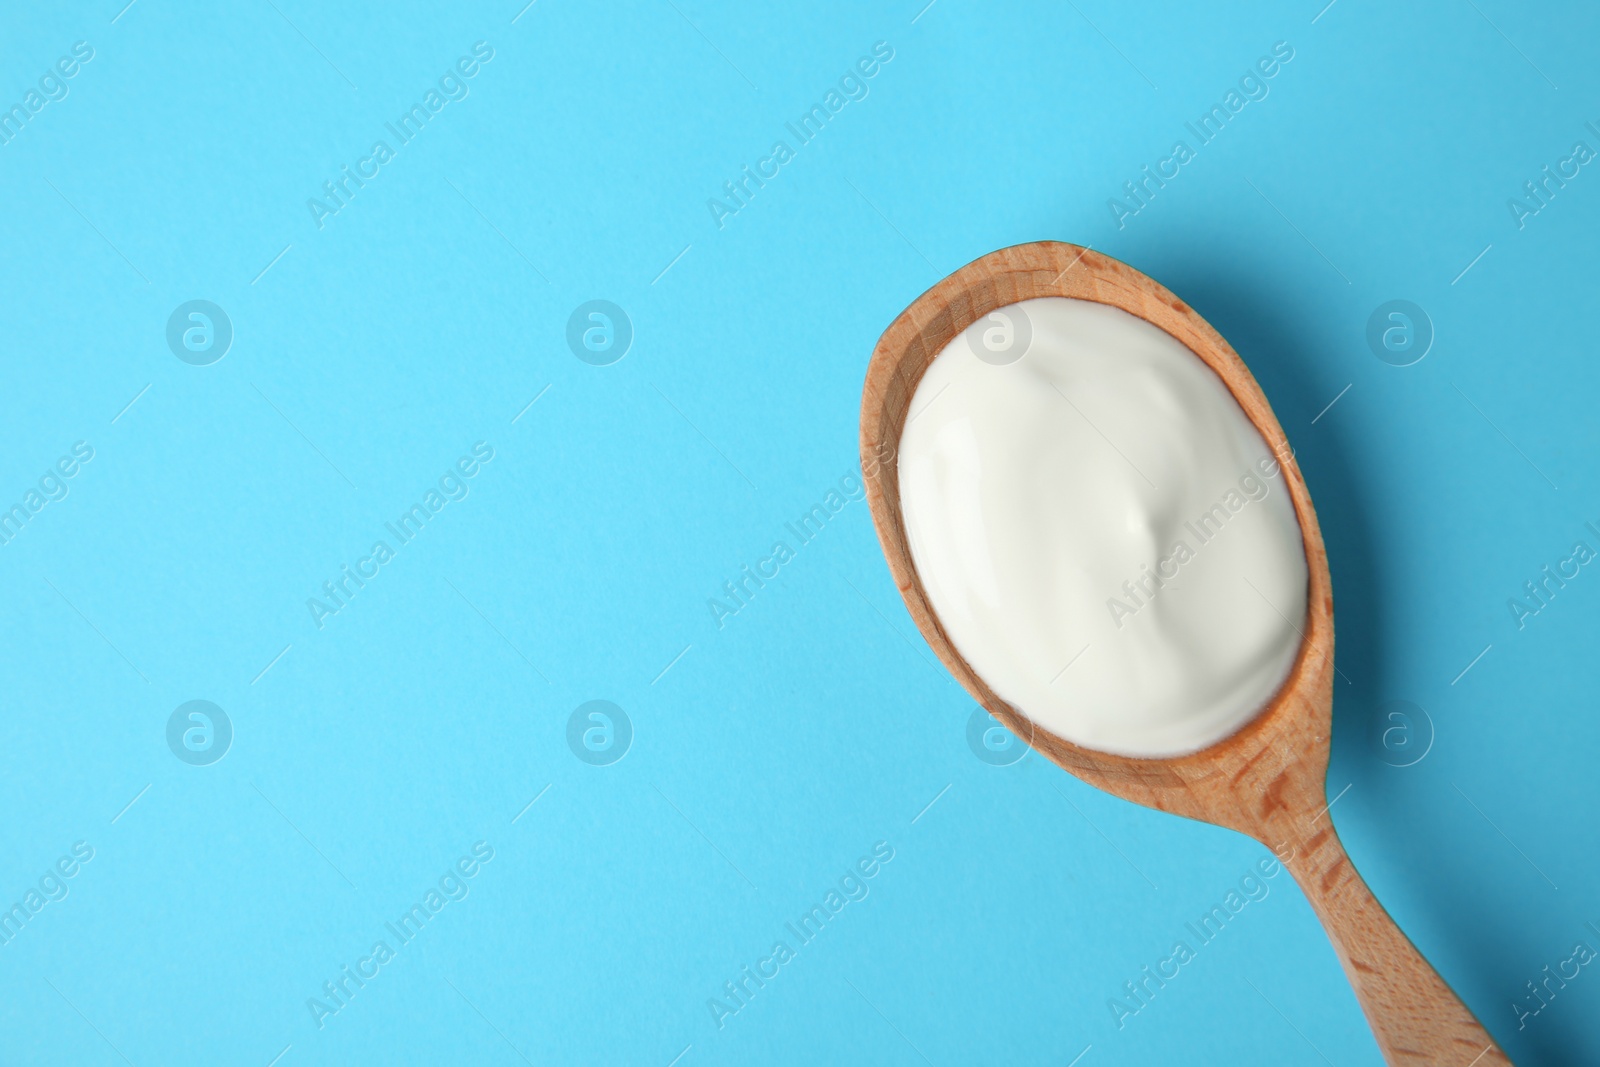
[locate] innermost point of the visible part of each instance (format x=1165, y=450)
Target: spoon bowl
x=1268, y=779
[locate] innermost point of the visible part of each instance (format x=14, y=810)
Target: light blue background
x=430, y=711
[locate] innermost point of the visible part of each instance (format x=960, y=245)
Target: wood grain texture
x=1268, y=779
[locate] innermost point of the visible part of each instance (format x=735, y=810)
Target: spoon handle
x=1416, y=1018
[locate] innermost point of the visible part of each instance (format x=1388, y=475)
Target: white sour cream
x=1105, y=537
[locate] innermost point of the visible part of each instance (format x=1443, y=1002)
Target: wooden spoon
x=1268, y=780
